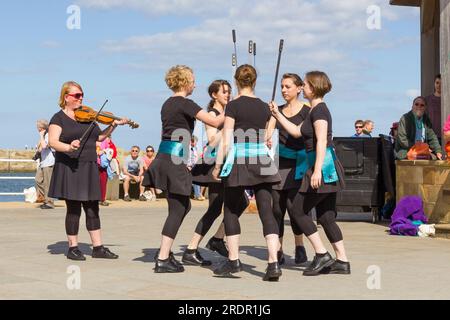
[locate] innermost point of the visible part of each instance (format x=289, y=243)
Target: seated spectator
x=133, y=170
x=359, y=124
x=434, y=107
x=367, y=129
x=147, y=159
x=45, y=167
x=415, y=126
x=394, y=132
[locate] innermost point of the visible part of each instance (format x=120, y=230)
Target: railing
x=15, y=178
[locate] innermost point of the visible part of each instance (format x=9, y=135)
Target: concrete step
x=443, y=231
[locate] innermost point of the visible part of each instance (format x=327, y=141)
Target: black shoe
x=228, y=267
x=217, y=245
x=171, y=257
x=46, y=206
x=168, y=266
x=103, y=253
x=273, y=272
x=195, y=259
x=280, y=256
x=75, y=254
x=319, y=262
x=338, y=267
x=300, y=255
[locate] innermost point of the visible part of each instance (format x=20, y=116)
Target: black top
x=217, y=113
x=320, y=112
x=73, y=130
x=283, y=135
x=250, y=115
x=178, y=113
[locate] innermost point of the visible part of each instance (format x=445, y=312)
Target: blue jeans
x=197, y=190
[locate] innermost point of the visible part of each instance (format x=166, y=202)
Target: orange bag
x=419, y=151
x=447, y=149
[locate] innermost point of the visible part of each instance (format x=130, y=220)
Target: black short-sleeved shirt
x=319, y=112
x=73, y=130
x=250, y=115
x=284, y=137
x=178, y=113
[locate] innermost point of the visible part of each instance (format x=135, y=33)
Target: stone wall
x=429, y=180
x=17, y=166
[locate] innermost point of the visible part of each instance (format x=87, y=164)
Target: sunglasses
x=358, y=127
x=134, y=150
x=149, y=150
x=419, y=104
x=77, y=96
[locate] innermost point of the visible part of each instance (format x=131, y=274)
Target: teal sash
x=242, y=150
x=329, y=173
x=173, y=148
x=210, y=153
x=301, y=165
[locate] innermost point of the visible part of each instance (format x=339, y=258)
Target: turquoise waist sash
x=173, y=148
x=210, y=153
x=329, y=173
x=242, y=150
x=301, y=165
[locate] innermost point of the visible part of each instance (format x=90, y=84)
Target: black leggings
x=215, y=195
x=74, y=213
x=179, y=206
x=325, y=204
x=282, y=200
x=233, y=208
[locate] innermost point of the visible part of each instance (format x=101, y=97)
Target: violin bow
x=93, y=122
x=280, y=49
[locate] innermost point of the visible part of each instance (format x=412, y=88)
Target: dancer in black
x=220, y=93
x=75, y=176
x=291, y=158
x=322, y=180
x=247, y=165
x=168, y=171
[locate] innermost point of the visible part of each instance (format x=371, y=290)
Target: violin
x=87, y=114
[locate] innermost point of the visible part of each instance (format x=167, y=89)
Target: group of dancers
x=304, y=174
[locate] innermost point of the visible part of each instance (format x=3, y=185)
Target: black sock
x=190, y=251
x=272, y=264
x=321, y=254
x=73, y=248
x=98, y=247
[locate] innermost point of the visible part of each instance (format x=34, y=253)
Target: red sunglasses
x=77, y=96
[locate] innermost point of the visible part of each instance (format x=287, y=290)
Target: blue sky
x=124, y=48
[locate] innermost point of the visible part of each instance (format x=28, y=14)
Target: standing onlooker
x=46, y=163
x=367, y=129
x=193, y=158
x=394, y=132
x=434, y=107
x=359, y=125
x=147, y=160
x=133, y=170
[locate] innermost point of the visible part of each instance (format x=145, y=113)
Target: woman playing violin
x=75, y=177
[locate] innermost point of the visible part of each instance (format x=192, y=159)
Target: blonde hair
x=179, y=77
x=65, y=90
x=319, y=82
x=245, y=76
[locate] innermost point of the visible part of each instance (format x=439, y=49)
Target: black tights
x=74, y=213
x=234, y=208
x=282, y=200
x=179, y=206
x=325, y=204
x=215, y=196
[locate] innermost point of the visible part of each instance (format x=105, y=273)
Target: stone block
x=430, y=193
x=412, y=174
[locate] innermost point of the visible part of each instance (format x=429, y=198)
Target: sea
x=16, y=186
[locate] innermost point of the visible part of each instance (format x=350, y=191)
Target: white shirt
x=47, y=157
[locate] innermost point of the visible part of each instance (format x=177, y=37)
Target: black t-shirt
x=250, y=115
x=178, y=113
x=73, y=130
x=217, y=113
x=320, y=112
x=283, y=135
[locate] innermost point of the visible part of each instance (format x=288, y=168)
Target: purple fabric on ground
x=408, y=209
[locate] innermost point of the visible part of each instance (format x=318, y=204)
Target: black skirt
x=286, y=169
x=166, y=175
x=324, y=187
x=254, y=171
x=75, y=180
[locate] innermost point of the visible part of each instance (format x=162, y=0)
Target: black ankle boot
x=193, y=257
x=228, y=267
x=300, y=255
x=280, y=256
x=319, y=262
x=167, y=266
x=217, y=245
x=273, y=272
